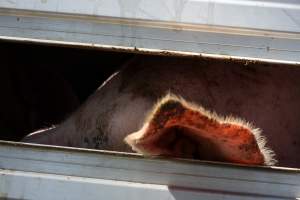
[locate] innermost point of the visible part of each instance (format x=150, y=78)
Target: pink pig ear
x=180, y=129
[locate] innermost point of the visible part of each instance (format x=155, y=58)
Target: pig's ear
x=180, y=129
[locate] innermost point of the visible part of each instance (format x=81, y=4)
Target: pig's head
x=178, y=128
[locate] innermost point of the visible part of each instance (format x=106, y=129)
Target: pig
x=267, y=96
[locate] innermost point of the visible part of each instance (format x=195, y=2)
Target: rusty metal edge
x=145, y=51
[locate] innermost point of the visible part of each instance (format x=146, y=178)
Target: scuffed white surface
x=255, y=14
x=256, y=29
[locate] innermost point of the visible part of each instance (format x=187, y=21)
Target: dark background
x=42, y=85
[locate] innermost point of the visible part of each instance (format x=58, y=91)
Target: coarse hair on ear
x=175, y=108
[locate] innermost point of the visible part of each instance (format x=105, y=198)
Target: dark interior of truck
x=42, y=85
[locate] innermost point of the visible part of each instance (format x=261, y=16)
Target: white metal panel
x=257, y=29
x=254, y=14
x=30, y=185
x=183, y=175
x=37, y=186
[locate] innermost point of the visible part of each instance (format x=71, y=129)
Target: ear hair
x=268, y=154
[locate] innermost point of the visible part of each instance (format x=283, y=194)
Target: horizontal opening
x=44, y=85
